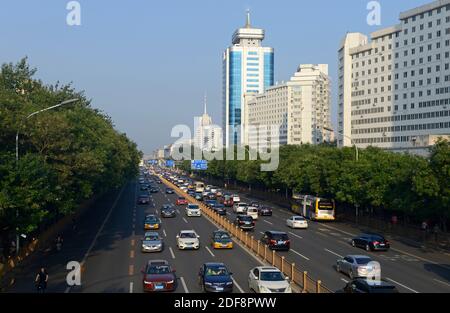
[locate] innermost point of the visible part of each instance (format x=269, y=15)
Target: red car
x=159, y=276
x=181, y=201
x=228, y=201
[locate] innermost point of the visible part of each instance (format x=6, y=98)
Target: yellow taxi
x=221, y=240
x=152, y=222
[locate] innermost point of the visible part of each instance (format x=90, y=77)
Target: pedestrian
x=41, y=280
x=12, y=248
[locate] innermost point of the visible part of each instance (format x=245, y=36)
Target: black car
x=219, y=209
x=168, y=211
x=371, y=242
x=276, y=240
x=143, y=199
x=159, y=182
x=245, y=222
x=154, y=190
x=210, y=203
x=198, y=196
x=144, y=187
x=191, y=193
x=215, y=277
x=169, y=191
x=255, y=204
x=363, y=285
x=265, y=211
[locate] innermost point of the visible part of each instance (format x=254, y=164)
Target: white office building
x=248, y=68
x=394, y=90
x=296, y=112
x=207, y=136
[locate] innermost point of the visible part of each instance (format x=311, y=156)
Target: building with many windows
x=248, y=68
x=394, y=90
x=207, y=136
x=296, y=112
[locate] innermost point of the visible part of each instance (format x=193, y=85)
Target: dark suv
x=276, y=240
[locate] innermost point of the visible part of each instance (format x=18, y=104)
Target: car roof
x=220, y=232
x=276, y=232
x=267, y=269
x=358, y=256
x=214, y=264
x=157, y=262
x=150, y=216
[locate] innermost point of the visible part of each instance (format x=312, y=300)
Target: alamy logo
x=73, y=278
x=374, y=16
x=73, y=18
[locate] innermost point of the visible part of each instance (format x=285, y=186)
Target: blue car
x=210, y=203
x=215, y=277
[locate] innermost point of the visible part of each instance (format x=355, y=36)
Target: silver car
x=152, y=242
x=358, y=266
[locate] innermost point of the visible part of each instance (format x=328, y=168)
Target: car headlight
x=263, y=289
x=208, y=284
x=229, y=283
x=170, y=282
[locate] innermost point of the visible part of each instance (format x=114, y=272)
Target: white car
x=236, y=199
x=193, y=210
x=188, y=239
x=253, y=212
x=184, y=188
x=297, y=222
x=240, y=207
x=268, y=279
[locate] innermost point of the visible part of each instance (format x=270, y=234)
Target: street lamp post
x=17, y=151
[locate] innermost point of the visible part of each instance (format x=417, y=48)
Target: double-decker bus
x=313, y=208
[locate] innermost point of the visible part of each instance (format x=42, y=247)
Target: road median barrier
x=299, y=278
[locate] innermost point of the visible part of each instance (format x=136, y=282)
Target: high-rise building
x=207, y=136
x=248, y=68
x=298, y=111
x=394, y=91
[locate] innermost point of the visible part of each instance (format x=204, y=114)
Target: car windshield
x=188, y=235
x=376, y=237
x=219, y=206
x=151, y=219
x=271, y=276
x=181, y=198
x=193, y=206
x=221, y=236
x=158, y=269
x=151, y=237
x=245, y=218
x=216, y=271
x=298, y=218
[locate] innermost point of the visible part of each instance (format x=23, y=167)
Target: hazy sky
x=148, y=63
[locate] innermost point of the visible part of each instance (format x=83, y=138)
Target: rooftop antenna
x=204, y=103
x=247, y=24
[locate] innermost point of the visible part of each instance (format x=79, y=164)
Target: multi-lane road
x=316, y=250
x=109, y=249
x=107, y=244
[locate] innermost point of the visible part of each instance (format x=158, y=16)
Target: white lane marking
x=171, y=253
x=336, y=254
x=295, y=235
x=442, y=282
x=344, y=232
x=185, y=220
x=184, y=285
x=420, y=258
x=344, y=280
x=306, y=258
x=237, y=285
x=406, y=287
x=261, y=233
x=178, y=211
x=131, y=287
x=270, y=223
x=164, y=232
x=321, y=234
x=209, y=250
x=98, y=233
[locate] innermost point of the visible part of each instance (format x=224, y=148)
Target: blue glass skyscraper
x=248, y=68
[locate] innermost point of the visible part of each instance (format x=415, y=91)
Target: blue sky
x=148, y=63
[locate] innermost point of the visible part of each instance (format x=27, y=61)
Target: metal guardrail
x=300, y=278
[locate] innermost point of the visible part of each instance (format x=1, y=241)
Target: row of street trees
x=415, y=187
x=67, y=154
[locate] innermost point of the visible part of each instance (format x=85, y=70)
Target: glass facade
x=268, y=69
x=235, y=95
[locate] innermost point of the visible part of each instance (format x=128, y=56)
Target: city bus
x=199, y=186
x=313, y=208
